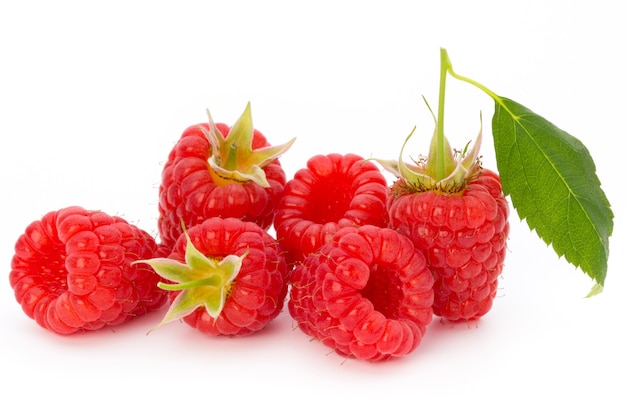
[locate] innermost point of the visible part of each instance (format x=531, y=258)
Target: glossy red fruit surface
x=72, y=271
x=366, y=294
x=333, y=191
x=464, y=237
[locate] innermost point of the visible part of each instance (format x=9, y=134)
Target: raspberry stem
x=441, y=141
x=445, y=170
x=449, y=70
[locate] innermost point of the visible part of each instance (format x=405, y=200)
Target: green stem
x=476, y=84
x=449, y=70
x=445, y=64
x=232, y=161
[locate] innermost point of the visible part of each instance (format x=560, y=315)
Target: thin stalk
x=445, y=61
x=441, y=149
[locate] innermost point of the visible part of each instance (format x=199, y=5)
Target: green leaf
x=551, y=179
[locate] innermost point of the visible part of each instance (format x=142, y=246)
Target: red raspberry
x=332, y=192
x=455, y=211
x=72, y=271
x=217, y=171
x=227, y=277
x=464, y=236
x=367, y=294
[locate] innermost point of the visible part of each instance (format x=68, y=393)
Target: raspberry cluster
x=362, y=265
x=367, y=281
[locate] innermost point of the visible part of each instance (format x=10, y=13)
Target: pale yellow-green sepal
x=233, y=160
x=203, y=282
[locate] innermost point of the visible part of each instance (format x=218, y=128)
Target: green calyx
x=203, y=282
x=233, y=160
x=444, y=170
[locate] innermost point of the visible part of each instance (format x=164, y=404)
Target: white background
x=92, y=98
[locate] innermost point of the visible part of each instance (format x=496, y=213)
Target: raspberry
x=464, y=236
x=227, y=277
x=367, y=294
x=72, y=270
x=454, y=210
x=220, y=171
x=332, y=192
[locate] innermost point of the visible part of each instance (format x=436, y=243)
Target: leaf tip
x=595, y=290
